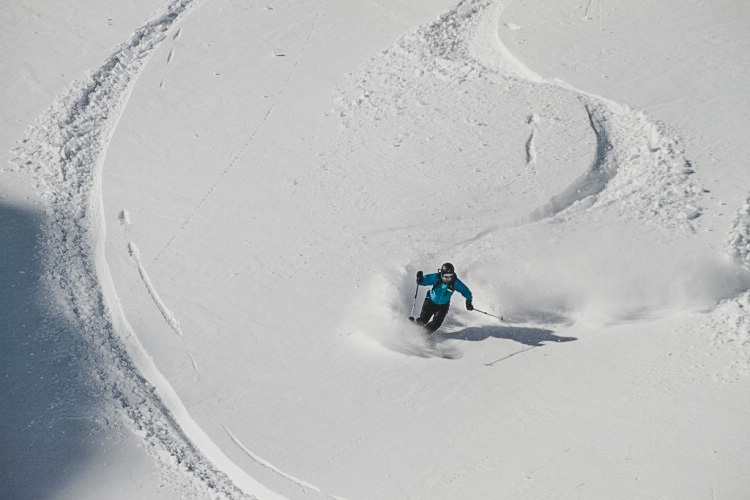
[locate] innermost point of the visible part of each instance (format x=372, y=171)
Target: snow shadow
x=44, y=411
x=594, y=180
x=524, y=335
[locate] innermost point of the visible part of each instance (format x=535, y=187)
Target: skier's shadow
x=524, y=335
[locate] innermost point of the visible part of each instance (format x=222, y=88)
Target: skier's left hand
x=469, y=305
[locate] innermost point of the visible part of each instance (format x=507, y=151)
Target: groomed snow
x=213, y=213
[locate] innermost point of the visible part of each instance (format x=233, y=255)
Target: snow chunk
x=739, y=236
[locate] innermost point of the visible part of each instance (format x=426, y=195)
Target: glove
x=469, y=305
x=420, y=276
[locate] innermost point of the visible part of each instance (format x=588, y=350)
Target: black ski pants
x=435, y=311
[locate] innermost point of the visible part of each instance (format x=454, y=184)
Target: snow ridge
x=65, y=151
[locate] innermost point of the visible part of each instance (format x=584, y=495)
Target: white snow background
x=212, y=213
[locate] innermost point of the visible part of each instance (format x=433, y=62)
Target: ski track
x=268, y=465
x=195, y=366
x=590, y=183
x=64, y=151
x=216, y=184
x=493, y=363
x=168, y=315
x=634, y=163
x=235, y=158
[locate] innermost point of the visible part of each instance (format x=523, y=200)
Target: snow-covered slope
x=237, y=200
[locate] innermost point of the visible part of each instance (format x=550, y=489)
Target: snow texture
x=211, y=239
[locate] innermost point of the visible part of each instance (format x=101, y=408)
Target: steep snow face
x=263, y=231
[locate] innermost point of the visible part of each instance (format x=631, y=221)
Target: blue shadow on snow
x=46, y=404
x=524, y=335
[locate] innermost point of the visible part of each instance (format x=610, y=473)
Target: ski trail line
x=169, y=316
x=594, y=180
x=235, y=157
x=167, y=313
x=64, y=153
x=216, y=184
x=195, y=366
x=493, y=363
x=268, y=465
x=615, y=174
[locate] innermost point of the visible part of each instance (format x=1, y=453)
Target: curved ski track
x=65, y=150
x=634, y=163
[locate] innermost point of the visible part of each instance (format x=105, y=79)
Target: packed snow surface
x=213, y=213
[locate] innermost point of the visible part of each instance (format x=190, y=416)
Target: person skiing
x=438, y=300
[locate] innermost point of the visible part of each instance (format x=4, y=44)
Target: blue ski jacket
x=441, y=292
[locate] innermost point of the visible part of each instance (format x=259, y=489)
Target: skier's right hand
x=420, y=276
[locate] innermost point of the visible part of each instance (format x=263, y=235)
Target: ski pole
x=413, y=304
x=488, y=314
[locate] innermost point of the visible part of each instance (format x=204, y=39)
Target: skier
x=438, y=300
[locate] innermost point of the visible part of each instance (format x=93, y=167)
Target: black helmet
x=447, y=268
